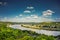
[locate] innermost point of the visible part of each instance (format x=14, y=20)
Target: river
x=46, y=32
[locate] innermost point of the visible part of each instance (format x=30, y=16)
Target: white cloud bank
x=31, y=18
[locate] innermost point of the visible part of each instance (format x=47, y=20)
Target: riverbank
x=46, y=32
x=50, y=29
x=15, y=33
x=52, y=26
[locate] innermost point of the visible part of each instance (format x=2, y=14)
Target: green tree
x=27, y=38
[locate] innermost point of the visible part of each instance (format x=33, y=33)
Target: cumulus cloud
x=20, y=15
x=27, y=11
x=30, y=7
x=47, y=13
x=16, y=16
x=3, y=3
x=0, y=2
x=28, y=19
x=34, y=16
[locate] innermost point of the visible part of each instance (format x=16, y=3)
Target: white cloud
x=16, y=16
x=57, y=19
x=47, y=19
x=47, y=13
x=4, y=19
x=30, y=7
x=3, y=3
x=34, y=16
x=20, y=15
x=28, y=19
x=31, y=18
x=27, y=11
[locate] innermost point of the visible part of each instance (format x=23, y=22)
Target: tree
x=27, y=38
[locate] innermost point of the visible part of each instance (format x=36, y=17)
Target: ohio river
x=46, y=32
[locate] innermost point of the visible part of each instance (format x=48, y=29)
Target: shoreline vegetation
x=53, y=26
x=44, y=26
x=7, y=33
x=49, y=29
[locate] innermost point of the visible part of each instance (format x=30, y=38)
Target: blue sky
x=34, y=10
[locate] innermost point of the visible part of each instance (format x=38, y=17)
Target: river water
x=46, y=32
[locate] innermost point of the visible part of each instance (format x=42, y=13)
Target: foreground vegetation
x=7, y=33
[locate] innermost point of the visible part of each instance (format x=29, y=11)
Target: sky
x=30, y=10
